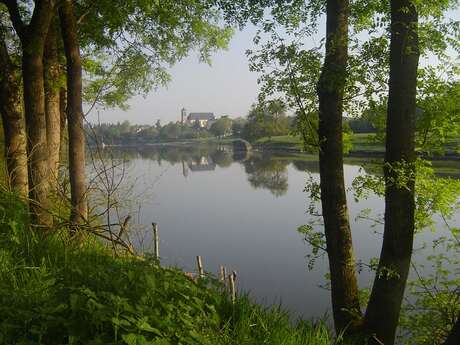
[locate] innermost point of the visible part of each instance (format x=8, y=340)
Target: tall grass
x=53, y=291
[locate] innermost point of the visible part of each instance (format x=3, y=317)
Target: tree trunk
x=33, y=38
x=384, y=306
x=63, y=115
x=454, y=335
x=74, y=113
x=344, y=286
x=34, y=104
x=13, y=123
x=52, y=103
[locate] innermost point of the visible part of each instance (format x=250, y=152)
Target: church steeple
x=183, y=115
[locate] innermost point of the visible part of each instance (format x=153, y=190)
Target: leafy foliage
x=222, y=127
x=266, y=121
x=128, y=46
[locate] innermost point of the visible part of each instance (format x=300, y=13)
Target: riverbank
x=362, y=145
x=57, y=291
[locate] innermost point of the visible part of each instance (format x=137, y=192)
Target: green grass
x=366, y=142
x=360, y=142
x=56, y=291
x=281, y=139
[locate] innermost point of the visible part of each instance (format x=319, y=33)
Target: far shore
x=362, y=147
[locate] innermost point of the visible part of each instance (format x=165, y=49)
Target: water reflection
x=264, y=170
x=242, y=210
x=267, y=173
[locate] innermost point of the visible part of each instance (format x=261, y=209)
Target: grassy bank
x=360, y=142
x=54, y=291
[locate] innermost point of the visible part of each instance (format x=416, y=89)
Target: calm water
x=241, y=212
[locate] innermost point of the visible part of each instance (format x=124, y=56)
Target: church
x=203, y=120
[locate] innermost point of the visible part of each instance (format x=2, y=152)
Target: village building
x=203, y=120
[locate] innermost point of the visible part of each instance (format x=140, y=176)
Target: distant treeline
x=360, y=125
x=260, y=122
x=256, y=125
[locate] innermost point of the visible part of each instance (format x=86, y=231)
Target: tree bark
x=74, y=113
x=52, y=103
x=344, y=286
x=384, y=306
x=33, y=36
x=63, y=115
x=13, y=123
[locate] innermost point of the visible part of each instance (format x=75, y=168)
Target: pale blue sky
x=227, y=87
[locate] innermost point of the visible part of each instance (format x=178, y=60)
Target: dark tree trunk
x=34, y=105
x=344, y=286
x=384, y=306
x=13, y=123
x=454, y=335
x=52, y=103
x=74, y=113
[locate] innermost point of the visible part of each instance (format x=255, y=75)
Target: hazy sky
x=227, y=87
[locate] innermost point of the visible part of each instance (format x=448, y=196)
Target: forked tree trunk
x=344, y=286
x=33, y=38
x=384, y=306
x=52, y=103
x=74, y=113
x=13, y=123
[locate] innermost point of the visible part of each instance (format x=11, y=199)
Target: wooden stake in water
x=231, y=285
x=199, y=265
x=156, y=241
x=223, y=273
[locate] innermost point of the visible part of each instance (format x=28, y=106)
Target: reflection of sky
x=220, y=216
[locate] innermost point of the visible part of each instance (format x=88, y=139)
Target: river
x=241, y=211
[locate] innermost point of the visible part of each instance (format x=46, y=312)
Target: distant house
x=204, y=120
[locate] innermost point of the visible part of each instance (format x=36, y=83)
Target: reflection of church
x=202, y=164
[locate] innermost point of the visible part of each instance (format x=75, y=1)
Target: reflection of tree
x=310, y=166
x=222, y=158
x=267, y=173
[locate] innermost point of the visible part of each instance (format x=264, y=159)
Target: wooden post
x=199, y=265
x=231, y=285
x=223, y=273
x=156, y=241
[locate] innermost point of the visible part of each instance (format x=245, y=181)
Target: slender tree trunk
x=13, y=123
x=33, y=36
x=344, y=286
x=74, y=113
x=63, y=115
x=384, y=306
x=52, y=103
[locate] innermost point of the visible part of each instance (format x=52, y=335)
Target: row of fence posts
x=228, y=280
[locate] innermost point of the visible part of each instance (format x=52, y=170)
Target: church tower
x=183, y=115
